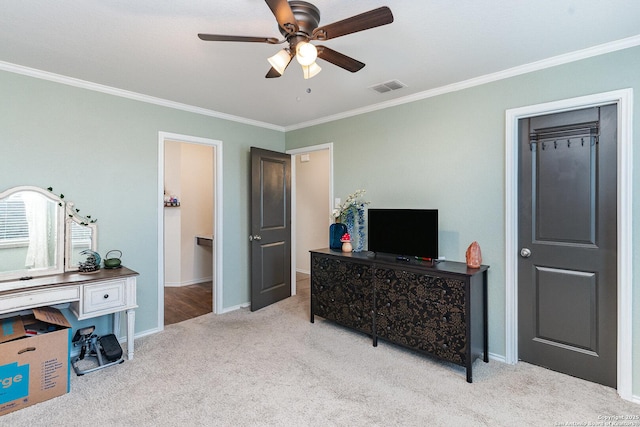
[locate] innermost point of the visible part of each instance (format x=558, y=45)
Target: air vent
x=388, y=86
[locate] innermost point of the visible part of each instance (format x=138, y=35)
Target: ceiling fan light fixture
x=280, y=60
x=306, y=53
x=311, y=70
x=298, y=22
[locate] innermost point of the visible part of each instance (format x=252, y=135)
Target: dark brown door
x=567, y=282
x=270, y=237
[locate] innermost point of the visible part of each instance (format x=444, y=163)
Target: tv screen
x=404, y=232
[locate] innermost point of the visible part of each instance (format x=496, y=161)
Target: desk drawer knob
x=105, y=296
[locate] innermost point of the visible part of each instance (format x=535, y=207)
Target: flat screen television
x=403, y=232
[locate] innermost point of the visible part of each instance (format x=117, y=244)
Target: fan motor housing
x=307, y=17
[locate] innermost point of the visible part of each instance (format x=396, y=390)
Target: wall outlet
x=336, y=202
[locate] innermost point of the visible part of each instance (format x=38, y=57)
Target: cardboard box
x=34, y=358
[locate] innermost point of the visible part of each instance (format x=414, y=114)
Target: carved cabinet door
x=342, y=292
x=422, y=312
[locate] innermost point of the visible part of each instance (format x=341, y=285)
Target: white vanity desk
x=90, y=295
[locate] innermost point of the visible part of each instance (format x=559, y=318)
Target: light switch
x=304, y=157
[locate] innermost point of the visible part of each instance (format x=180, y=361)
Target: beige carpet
x=274, y=368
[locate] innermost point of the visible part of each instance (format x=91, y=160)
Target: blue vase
x=336, y=231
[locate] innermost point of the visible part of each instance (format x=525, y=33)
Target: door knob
x=525, y=252
x=255, y=237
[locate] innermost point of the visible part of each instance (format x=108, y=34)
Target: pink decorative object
x=474, y=255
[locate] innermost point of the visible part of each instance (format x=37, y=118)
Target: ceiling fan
x=298, y=22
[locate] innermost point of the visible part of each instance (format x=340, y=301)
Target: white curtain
x=36, y=210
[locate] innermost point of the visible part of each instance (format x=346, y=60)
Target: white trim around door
x=217, y=226
x=294, y=152
x=624, y=100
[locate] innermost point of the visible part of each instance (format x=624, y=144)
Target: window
x=81, y=236
x=13, y=222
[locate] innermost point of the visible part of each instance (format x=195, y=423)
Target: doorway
x=189, y=226
x=312, y=193
x=623, y=101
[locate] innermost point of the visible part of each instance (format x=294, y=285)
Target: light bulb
x=306, y=53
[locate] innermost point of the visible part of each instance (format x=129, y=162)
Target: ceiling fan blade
x=284, y=15
x=364, y=21
x=272, y=74
x=337, y=58
x=221, y=38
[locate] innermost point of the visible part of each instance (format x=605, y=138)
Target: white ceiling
x=151, y=47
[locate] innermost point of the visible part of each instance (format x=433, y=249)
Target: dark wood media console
x=437, y=308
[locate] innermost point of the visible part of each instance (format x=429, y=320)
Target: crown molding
x=70, y=81
x=477, y=81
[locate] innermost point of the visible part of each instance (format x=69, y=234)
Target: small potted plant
x=346, y=243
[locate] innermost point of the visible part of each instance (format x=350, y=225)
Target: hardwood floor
x=303, y=281
x=186, y=302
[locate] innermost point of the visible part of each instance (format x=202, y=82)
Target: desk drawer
x=38, y=298
x=104, y=296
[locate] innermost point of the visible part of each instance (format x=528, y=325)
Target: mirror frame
x=66, y=216
x=72, y=217
x=58, y=266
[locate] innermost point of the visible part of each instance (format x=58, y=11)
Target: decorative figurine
x=346, y=243
x=474, y=255
x=91, y=264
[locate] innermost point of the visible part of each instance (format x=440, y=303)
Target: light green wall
x=101, y=152
x=448, y=152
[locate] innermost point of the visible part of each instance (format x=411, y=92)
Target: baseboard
x=299, y=270
x=497, y=357
x=187, y=283
x=123, y=339
x=144, y=333
x=235, y=307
